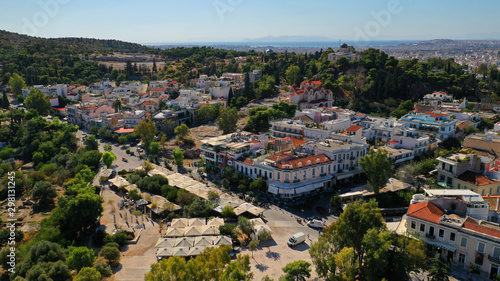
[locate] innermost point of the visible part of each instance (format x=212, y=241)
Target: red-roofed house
x=149, y=106
x=310, y=95
x=460, y=238
x=477, y=182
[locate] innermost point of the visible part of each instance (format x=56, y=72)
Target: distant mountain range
x=283, y=39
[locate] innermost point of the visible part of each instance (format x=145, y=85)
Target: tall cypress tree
x=5, y=101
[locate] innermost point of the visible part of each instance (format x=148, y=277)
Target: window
x=463, y=242
x=278, y=176
x=413, y=225
x=270, y=176
x=458, y=186
x=496, y=252
x=305, y=174
x=422, y=227
x=314, y=172
x=441, y=233
x=461, y=259
x=480, y=247
x=287, y=176
x=329, y=168
x=322, y=170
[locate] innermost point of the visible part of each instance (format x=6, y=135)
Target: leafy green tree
x=103, y=267
x=91, y=143
x=182, y=132
x=94, y=130
x=238, y=270
x=292, y=75
x=155, y=148
x=347, y=264
x=37, y=100
x=228, y=212
x=377, y=166
x=439, y=270
x=122, y=139
x=252, y=246
x=90, y=158
x=44, y=193
x=336, y=201
x=227, y=229
x=80, y=257
x=17, y=84
x=245, y=225
x=112, y=254
x=108, y=158
x=88, y=274
x=228, y=118
x=134, y=194
x=146, y=130
x=199, y=208
x=108, y=147
x=265, y=235
x=171, y=269
x=178, y=157
x=470, y=130
x=297, y=271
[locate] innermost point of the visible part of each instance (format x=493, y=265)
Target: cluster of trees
x=259, y=117
x=211, y=264
x=359, y=247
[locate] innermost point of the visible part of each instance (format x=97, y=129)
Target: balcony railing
x=494, y=259
x=430, y=236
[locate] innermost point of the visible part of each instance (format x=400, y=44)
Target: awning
x=441, y=245
x=305, y=188
x=273, y=189
x=318, y=185
x=287, y=191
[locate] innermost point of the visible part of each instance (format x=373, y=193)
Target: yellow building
x=477, y=182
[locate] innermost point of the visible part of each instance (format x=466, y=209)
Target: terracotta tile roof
x=425, y=211
x=124, y=131
x=473, y=225
x=159, y=89
x=148, y=102
x=316, y=82
x=493, y=202
x=148, y=114
x=303, y=162
x=354, y=128
x=278, y=156
x=295, y=142
x=475, y=178
x=248, y=161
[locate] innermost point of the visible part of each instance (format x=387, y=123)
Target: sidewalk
x=461, y=274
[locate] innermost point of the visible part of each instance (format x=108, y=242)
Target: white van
x=296, y=239
x=316, y=224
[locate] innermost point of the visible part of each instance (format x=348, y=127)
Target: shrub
x=103, y=267
x=122, y=172
x=113, y=244
x=112, y=254
x=99, y=237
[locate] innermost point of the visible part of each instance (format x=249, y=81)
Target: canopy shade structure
x=215, y=222
x=209, y=230
x=203, y=241
x=174, y=232
x=196, y=222
x=177, y=223
x=194, y=251
x=192, y=231
x=222, y=240
x=165, y=243
x=119, y=181
x=184, y=242
x=180, y=251
x=164, y=252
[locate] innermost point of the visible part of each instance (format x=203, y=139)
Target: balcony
x=296, y=180
x=322, y=174
x=429, y=236
x=494, y=259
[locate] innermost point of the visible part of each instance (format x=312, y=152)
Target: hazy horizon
x=235, y=20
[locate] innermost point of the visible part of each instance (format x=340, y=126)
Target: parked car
x=316, y=224
x=112, y=175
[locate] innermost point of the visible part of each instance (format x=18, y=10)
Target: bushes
x=111, y=254
x=122, y=172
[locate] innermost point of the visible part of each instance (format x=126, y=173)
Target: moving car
x=296, y=239
x=316, y=224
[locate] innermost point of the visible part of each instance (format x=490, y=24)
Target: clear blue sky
x=233, y=20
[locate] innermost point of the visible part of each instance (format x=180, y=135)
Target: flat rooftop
x=467, y=195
